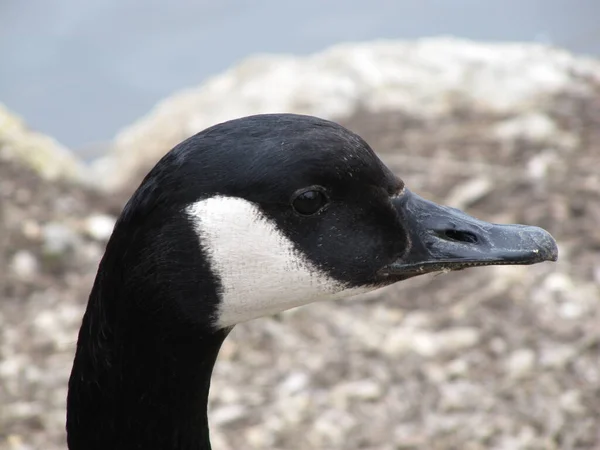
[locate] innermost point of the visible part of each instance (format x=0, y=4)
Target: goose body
x=248, y=218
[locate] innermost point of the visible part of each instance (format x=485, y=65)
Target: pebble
x=331, y=428
x=557, y=356
x=362, y=389
x=498, y=346
x=571, y=310
x=458, y=367
x=597, y=274
x=58, y=238
x=558, y=282
x=227, y=414
x=539, y=165
x=458, y=338
x=521, y=363
x=100, y=226
x=430, y=344
x=532, y=126
x=294, y=383
x=32, y=229
x=24, y=264
x=15, y=442
x=424, y=344
x=459, y=395
x=24, y=409
x=417, y=319
x=436, y=374
x=465, y=194
x=10, y=367
x=570, y=402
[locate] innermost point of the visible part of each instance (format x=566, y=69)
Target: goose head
x=248, y=218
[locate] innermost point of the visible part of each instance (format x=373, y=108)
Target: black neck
x=148, y=392
x=146, y=347
x=147, y=344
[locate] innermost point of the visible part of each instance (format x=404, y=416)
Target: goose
x=245, y=219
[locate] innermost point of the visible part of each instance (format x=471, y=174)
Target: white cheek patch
x=261, y=272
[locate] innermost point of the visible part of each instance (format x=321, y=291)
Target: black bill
x=444, y=238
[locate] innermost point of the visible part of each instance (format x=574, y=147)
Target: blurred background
x=107, y=63
x=492, y=107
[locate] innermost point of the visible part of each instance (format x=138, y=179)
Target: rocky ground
x=488, y=358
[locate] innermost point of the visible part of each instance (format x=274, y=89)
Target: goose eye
x=309, y=202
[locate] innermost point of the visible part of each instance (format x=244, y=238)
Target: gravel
x=489, y=358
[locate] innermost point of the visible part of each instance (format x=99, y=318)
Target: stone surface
x=39, y=152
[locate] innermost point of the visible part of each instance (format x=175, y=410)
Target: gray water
x=80, y=70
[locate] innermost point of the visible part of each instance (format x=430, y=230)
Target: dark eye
x=309, y=202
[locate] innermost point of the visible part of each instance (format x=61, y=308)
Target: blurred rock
x=571, y=401
x=557, y=356
x=427, y=78
x=521, y=363
x=15, y=442
x=32, y=229
x=39, y=152
x=466, y=194
x=100, y=226
x=24, y=265
x=227, y=414
x=59, y=238
x=430, y=344
x=362, y=389
x=294, y=383
x=532, y=126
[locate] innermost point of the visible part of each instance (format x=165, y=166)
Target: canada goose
x=248, y=218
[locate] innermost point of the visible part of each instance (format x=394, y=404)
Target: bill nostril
x=458, y=236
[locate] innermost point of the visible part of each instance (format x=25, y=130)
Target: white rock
x=430, y=344
x=467, y=193
x=24, y=264
x=227, y=414
x=10, y=367
x=571, y=402
x=424, y=343
x=558, y=282
x=59, y=238
x=533, y=126
x=458, y=367
x=294, y=383
x=459, y=395
x=100, y=226
x=557, y=356
x=458, y=338
x=539, y=165
x=47, y=321
x=417, y=319
x=498, y=345
x=362, y=389
x=571, y=310
x=331, y=427
x=521, y=363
